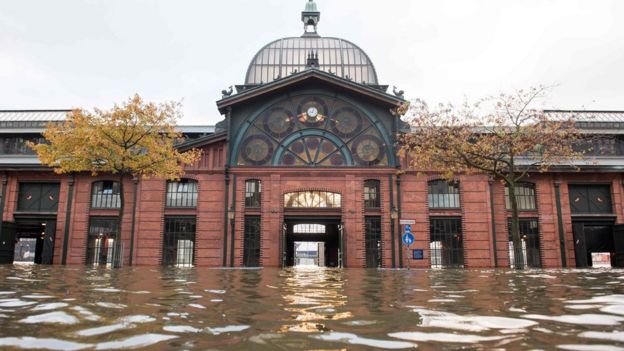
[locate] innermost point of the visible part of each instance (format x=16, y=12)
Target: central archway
x=312, y=218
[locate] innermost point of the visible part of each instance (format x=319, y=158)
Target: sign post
x=408, y=238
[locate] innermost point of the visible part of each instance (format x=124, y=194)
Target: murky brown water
x=82, y=308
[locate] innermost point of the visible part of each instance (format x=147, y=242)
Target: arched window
x=253, y=193
x=182, y=193
x=525, y=197
x=312, y=199
x=443, y=194
x=371, y=194
x=105, y=194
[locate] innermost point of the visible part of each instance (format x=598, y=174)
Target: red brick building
x=306, y=154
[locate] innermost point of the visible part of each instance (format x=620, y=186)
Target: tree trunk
x=515, y=227
x=118, y=256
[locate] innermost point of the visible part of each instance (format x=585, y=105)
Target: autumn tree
x=134, y=139
x=506, y=137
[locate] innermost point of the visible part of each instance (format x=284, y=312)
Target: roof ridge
x=38, y=110
x=589, y=111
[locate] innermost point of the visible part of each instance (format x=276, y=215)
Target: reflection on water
x=76, y=308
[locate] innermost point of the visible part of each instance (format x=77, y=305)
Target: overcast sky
x=64, y=54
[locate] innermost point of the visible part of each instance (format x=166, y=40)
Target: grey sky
x=63, y=54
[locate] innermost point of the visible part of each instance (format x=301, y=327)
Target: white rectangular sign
x=407, y=221
x=601, y=259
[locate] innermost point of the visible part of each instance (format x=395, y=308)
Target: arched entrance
x=312, y=232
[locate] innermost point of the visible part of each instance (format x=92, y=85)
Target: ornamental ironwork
x=313, y=131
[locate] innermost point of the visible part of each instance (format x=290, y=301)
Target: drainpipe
x=5, y=180
x=562, y=247
x=225, y=215
x=228, y=119
x=392, y=219
x=232, y=221
x=70, y=200
x=491, y=184
x=398, y=185
x=135, y=180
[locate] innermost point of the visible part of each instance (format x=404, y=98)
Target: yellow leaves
x=136, y=137
x=509, y=136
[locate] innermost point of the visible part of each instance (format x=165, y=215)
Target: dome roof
x=282, y=57
x=311, y=6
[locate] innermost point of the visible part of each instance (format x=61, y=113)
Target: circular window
x=278, y=122
x=257, y=150
x=312, y=112
x=367, y=150
x=346, y=122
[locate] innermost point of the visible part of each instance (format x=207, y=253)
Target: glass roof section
x=285, y=56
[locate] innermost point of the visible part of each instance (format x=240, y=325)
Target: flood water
x=74, y=308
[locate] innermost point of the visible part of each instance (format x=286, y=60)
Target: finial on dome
x=310, y=17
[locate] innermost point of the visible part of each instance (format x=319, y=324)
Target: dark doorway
x=322, y=233
x=592, y=242
x=34, y=240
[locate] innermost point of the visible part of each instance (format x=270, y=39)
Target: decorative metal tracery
x=312, y=199
x=312, y=131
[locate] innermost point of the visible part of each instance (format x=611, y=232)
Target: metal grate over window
x=529, y=236
x=101, y=241
x=253, y=193
x=182, y=193
x=309, y=228
x=105, y=194
x=251, y=242
x=525, y=196
x=371, y=194
x=179, y=241
x=443, y=194
x=372, y=241
x=446, y=245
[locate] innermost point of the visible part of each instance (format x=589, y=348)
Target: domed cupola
x=310, y=18
x=287, y=56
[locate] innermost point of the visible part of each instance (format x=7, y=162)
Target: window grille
x=525, y=197
x=312, y=199
x=179, y=241
x=105, y=194
x=371, y=194
x=309, y=228
x=529, y=236
x=372, y=241
x=443, y=194
x=182, y=193
x=253, y=191
x=446, y=244
x=251, y=242
x=101, y=246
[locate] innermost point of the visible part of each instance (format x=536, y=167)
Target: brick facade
x=475, y=213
